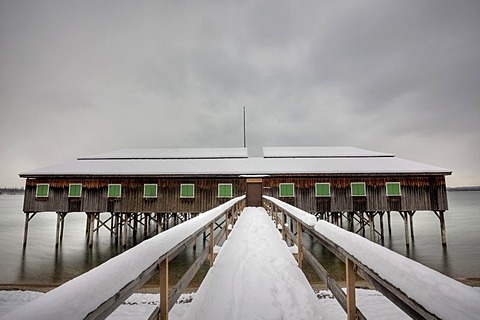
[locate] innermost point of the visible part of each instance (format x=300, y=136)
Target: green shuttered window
x=187, y=190
x=42, y=190
x=322, y=189
x=287, y=190
x=225, y=190
x=150, y=190
x=358, y=189
x=393, y=189
x=75, y=190
x=114, y=190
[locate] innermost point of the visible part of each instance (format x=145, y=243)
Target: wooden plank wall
x=94, y=196
x=418, y=193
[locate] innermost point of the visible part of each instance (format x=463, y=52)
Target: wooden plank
x=332, y=285
x=299, y=244
x=163, y=315
x=211, y=245
x=351, y=304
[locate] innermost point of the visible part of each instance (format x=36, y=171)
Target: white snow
x=166, y=153
x=299, y=214
x=78, y=297
x=139, y=306
x=238, y=167
x=320, y=152
x=437, y=293
x=255, y=277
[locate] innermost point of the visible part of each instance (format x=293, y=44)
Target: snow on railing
x=100, y=291
x=418, y=290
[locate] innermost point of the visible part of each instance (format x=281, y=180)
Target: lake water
x=41, y=263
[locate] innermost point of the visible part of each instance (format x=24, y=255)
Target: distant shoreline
x=471, y=188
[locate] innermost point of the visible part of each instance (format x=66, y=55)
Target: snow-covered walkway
x=255, y=277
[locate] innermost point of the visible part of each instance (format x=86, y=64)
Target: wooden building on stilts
x=142, y=190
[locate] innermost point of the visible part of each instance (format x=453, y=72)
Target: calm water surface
x=40, y=262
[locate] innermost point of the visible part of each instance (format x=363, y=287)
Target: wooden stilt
x=382, y=227
x=351, y=303
x=411, y=213
x=404, y=216
x=350, y=221
x=25, y=229
x=389, y=223
x=90, y=229
x=440, y=215
x=57, y=233
x=371, y=219
x=125, y=229
x=163, y=314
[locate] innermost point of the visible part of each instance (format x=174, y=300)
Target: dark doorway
x=254, y=192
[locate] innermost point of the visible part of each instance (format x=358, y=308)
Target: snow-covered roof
x=321, y=152
x=237, y=167
x=193, y=153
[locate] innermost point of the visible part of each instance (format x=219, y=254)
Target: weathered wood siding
x=94, y=195
x=417, y=193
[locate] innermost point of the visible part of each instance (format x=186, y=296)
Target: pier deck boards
x=255, y=277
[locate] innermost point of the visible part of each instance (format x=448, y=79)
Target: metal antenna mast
x=244, y=130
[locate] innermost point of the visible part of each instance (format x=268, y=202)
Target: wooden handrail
x=399, y=298
x=99, y=294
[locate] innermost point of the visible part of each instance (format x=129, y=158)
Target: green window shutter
x=42, y=190
x=150, y=190
x=75, y=190
x=322, y=189
x=393, y=189
x=287, y=189
x=358, y=189
x=187, y=191
x=114, y=190
x=225, y=190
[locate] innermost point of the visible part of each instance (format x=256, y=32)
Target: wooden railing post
x=299, y=244
x=284, y=219
x=212, y=244
x=351, y=304
x=226, y=224
x=163, y=314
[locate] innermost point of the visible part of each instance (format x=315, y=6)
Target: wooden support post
x=276, y=218
x=371, y=218
x=125, y=229
x=57, y=233
x=389, y=223
x=405, y=223
x=382, y=227
x=284, y=221
x=411, y=213
x=163, y=314
x=350, y=221
x=211, y=245
x=299, y=244
x=351, y=303
x=91, y=228
x=25, y=229
x=87, y=224
x=62, y=225
x=443, y=232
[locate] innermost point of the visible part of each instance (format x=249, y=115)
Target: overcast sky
x=87, y=77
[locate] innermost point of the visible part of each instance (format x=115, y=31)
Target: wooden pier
x=400, y=288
